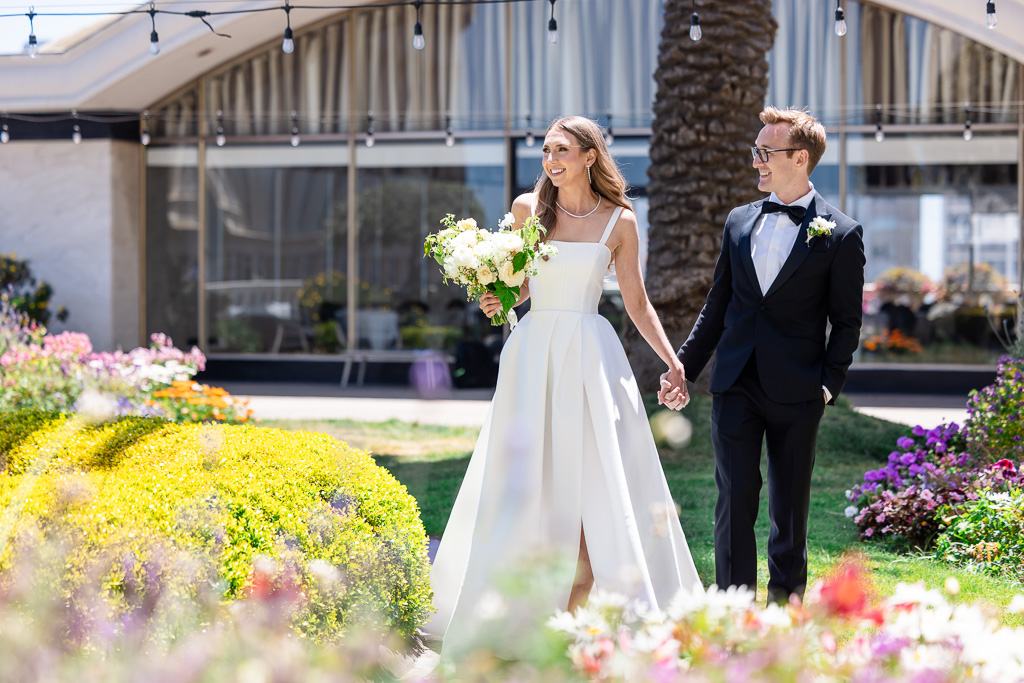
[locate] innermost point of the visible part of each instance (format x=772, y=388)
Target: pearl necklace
x=584, y=215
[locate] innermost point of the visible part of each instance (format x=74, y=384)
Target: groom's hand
x=673, y=392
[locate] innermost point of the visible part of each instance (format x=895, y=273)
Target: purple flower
x=904, y=442
x=918, y=431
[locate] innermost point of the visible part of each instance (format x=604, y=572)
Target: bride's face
x=564, y=160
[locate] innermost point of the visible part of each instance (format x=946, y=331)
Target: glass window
x=276, y=248
x=404, y=191
x=940, y=238
x=172, y=243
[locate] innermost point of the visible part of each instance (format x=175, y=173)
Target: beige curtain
x=923, y=73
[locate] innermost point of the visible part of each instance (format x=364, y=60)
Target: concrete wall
x=74, y=211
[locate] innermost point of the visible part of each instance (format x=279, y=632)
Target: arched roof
x=111, y=69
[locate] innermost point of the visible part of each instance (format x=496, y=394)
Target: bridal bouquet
x=483, y=261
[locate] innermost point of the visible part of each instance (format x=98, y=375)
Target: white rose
x=508, y=221
x=485, y=275
x=464, y=239
x=505, y=272
x=484, y=249
x=463, y=257
x=450, y=269
x=517, y=279
x=509, y=241
x=466, y=224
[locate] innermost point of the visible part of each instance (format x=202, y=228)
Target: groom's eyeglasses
x=764, y=154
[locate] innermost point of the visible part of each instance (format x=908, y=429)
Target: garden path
x=467, y=407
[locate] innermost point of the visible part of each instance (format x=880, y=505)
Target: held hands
x=490, y=304
x=673, y=392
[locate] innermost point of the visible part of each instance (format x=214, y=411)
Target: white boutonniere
x=821, y=226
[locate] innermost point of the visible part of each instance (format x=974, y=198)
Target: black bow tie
x=796, y=212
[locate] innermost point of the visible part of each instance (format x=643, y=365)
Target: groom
x=789, y=266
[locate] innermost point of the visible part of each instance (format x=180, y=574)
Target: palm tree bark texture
x=710, y=93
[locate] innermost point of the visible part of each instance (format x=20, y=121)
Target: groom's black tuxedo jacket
x=786, y=326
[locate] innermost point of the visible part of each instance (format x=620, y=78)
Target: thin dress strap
x=611, y=224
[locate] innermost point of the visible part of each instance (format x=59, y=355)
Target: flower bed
x=126, y=495
x=956, y=489
x=840, y=632
x=53, y=371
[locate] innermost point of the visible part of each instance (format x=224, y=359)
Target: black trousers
x=742, y=418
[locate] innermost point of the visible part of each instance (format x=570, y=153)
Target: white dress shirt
x=772, y=240
x=770, y=243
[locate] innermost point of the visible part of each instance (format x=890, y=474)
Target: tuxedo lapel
x=800, y=250
x=746, y=229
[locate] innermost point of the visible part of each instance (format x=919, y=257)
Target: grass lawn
x=432, y=460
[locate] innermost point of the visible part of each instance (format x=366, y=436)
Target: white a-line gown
x=566, y=444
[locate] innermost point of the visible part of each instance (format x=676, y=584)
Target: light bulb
x=879, y=133
x=695, y=32
x=76, y=135
x=991, y=20
x=33, y=46
x=609, y=138
x=154, y=44
x=553, y=32
x=370, y=140
x=145, y=139
x=288, y=45
x=418, y=41
x=5, y=136
x=530, y=139
x=221, y=138
x=840, y=27
x=968, y=133
x=295, y=137
x=449, y=138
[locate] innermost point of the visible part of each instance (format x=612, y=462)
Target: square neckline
x=604, y=236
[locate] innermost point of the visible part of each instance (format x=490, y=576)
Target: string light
x=418, y=41
x=552, y=26
x=144, y=138
x=968, y=133
x=530, y=139
x=991, y=20
x=295, y=129
x=5, y=135
x=154, y=39
x=840, y=20
x=370, y=140
x=879, y=133
x=221, y=138
x=76, y=132
x=288, y=45
x=609, y=136
x=449, y=136
x=695, y=32
x=33, y=44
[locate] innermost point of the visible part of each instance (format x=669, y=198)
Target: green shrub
x=24, y=292
x=994, y=428
x=987, y=533
x=138, y=486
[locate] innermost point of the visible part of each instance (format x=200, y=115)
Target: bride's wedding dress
x=566, y=445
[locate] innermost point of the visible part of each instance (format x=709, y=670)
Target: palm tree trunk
x=709, y=96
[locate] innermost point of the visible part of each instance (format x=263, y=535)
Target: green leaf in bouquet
x=519, y=261
x=506, y=295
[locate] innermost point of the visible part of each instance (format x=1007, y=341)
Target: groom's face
x=782, y=174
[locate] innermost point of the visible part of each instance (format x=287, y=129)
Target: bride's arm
x=522, y=208
x=634, y=295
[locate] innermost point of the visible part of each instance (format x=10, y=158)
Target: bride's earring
x=589, y=179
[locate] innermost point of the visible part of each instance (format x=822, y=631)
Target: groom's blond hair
x=805, y=131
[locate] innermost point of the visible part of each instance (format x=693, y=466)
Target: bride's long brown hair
x=606, y=179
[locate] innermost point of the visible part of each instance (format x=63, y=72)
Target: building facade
x=284, y=198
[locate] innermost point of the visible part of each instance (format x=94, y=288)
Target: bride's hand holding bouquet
x=489, y=262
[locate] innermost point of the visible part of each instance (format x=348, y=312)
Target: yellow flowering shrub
x=138, y=487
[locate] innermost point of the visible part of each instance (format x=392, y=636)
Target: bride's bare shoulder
x=524, y=206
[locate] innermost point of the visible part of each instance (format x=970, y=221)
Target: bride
x=565, y=465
